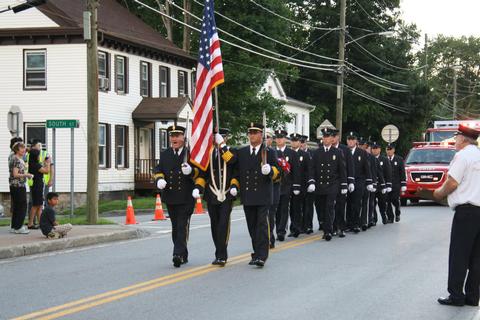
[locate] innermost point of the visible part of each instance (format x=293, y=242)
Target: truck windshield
x=422, y=156
x=439, y=136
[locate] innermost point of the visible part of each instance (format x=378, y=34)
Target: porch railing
x=144, y=173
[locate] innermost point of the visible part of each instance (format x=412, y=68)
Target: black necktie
x=253, y=152
x=176, y=152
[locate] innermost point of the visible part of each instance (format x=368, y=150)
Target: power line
x=378, y=84
x=381, y=102
x=371, y=18
x=304, y=25
x=270, y=38
x=375, y=76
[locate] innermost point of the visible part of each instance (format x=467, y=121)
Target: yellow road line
x=106, y=297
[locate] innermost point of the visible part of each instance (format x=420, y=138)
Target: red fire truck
x=444, y=130
x=426, y=166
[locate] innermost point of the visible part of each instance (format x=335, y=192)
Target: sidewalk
x=17, y=245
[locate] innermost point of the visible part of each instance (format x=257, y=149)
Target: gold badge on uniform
x=334, y=157
x=359, y=158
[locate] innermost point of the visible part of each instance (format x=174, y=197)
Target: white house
x=298, y=109
x=145, y=84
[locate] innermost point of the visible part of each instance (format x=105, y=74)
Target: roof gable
x=32, y=18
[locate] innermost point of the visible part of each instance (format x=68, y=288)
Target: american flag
x=209, y=75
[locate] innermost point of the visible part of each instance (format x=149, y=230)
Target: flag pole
x=217, y=118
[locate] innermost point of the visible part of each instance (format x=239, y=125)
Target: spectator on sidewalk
x=48, y=223
x=37, y=169
x=18, y=192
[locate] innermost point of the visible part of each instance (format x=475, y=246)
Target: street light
x=456, y=69
x=23, y=6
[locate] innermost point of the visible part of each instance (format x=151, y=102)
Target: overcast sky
x=453, y=18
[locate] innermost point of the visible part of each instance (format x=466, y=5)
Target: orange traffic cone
x=130, y=216
x=198, y=207
x=159, y=210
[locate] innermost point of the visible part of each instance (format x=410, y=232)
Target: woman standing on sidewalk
x=37, y=169
x=18, y=193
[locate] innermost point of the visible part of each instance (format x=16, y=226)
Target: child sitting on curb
x=48, y=224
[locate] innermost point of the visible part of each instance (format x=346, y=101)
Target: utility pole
x=187, y=6
x=92, y=114
x=425, y=73
x=454, y=93
x=341, y=67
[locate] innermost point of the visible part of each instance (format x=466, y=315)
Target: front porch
x=151, y=119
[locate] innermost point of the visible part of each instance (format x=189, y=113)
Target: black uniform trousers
x=355, y=204
x=371, y=208
x=220, y=226
x=180, y=215
x=19, y=206
x=393, y=204
x=296, y=214
x=272, y=211
x=465, y=254
x=258, y=227
x=339, y=223
x=325, y=205
x=365, y=207
x=281, y=217
x=308, y=202
x=380, y=200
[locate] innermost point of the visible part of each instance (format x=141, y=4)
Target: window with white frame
x=35, y=131
x=102, y=145
x=103, y=71
x=145, y=77
x=164, y=82
x=182, y=84
x=121, y=146
x=35, y=69
x=120, y=74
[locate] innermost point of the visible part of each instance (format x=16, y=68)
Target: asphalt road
x=389, y=272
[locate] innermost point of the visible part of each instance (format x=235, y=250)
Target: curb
x=67, y=243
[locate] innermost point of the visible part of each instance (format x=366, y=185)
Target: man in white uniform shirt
x=463, y=191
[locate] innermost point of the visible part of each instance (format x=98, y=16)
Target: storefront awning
x=158, y=109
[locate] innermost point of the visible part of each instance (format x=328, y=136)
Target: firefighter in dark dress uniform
x=276, y=193
x=289, y=185
x=309, y=198
x=399, y=183
x=174, y=176
x=381, y=195
x=380, y=185
x=328, y=175
x=340, y=205
x=297, y=201
x=257, y=169
x=219, y=200
x=363, y=182
x=364, y=214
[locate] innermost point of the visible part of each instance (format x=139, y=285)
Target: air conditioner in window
x=103, y=83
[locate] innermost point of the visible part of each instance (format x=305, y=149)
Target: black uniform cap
x=390, y=146
x=303, y=139
x=253, y=126
x=175, y=130
x=352, y=135
x=375, y=145
x=295, y=136
x=224, y=131
x=327, y=132
x=361, y=141
x=280, y=133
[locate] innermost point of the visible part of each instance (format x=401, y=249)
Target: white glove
x=370, y=187
x=186, y=169
x=266, y=169
x=218, y=139
x=296, y=192
x=233, y=191
x=344, y=191
x=351, y=187
x=384, y=190
x=311, y=188
x=389, y=189
x=404, y=188
x=196, y=193
x=374, y=189
x=161, y=184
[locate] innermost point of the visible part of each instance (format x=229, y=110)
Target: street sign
x=390, y=133
x=63, y=124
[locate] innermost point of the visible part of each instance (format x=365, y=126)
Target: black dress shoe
x=390, y=221
x=334, y=233
x=216, y=262
x=259, y=263
x=221, y=262
x=272, y=245
x=309, y=231
x=397, y=219
x=384, y=220
x=184, y=260
x=281, y=237
x=364, y=228
x=252, y=262
x=177, y=261
x=296, y=234
x=290, y=234
x=450, y=302
x=356, y=230
x=341, y=234
x=328, y=237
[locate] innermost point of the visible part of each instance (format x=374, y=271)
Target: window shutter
x=186, y=83
x=150, y=77
x=117, y=134
x=168, y=82
x=108, y=66
x=108, y=147
x=126, y=75
x=127, y=151
x=115, y=79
